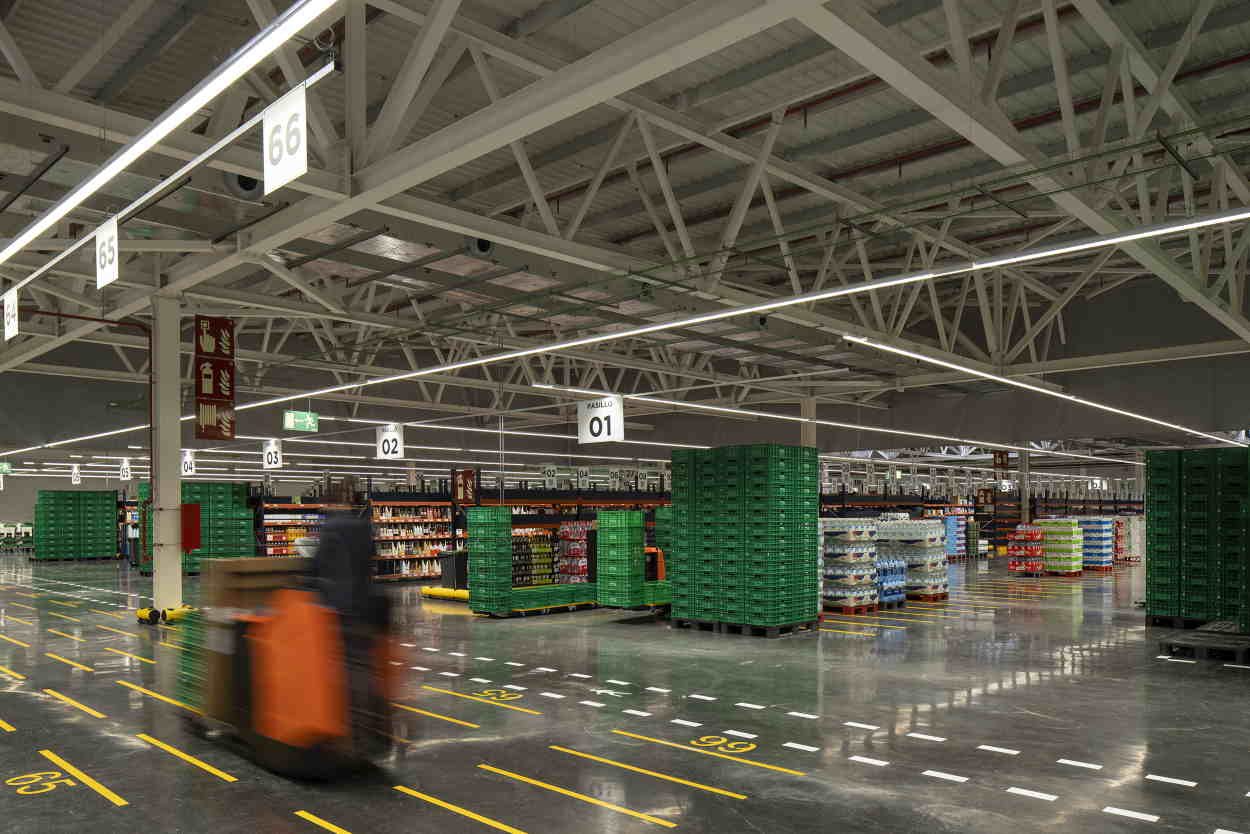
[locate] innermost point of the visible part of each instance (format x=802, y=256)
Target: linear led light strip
x=1157, y=230
x=790, y=418
x=1028, y=386
x=301, y=14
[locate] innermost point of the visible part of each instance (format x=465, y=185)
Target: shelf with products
x=410, y=536
x=533, y=555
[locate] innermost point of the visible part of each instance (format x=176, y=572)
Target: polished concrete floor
x=1022, y=704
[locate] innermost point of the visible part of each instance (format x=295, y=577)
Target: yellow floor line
x=186, y=757
x=66, y=604
x=30, y=596
x=665, y=776
x=20, y=620
x=84, y=778
x=7, y=727
x=897, y=612
x=852, y=622
x=171, y=645
x=63, y=616
x=128, y=654
x=6, y=670
x=575, y=795
x=710, y=753
x=158, y=696
x=456, y=809
x=867, y=634
x=108, y=613
x=14, y=640
x=480, y=700
x=860, y=617
x=118, y=631
x=24, y=605
x=63, y=634
x=441, y=717
x=73, y=663
x=73, y=703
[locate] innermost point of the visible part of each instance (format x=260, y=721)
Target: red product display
x=1025, y=551
x=572, y=563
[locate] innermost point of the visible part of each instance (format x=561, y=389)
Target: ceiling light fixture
x=1028, y=386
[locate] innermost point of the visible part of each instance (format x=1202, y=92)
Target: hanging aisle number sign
x=10, y=314
x=188, y=462
x=583, y=477
x=125, y=469
x=550, y=472
x=75, y=474
x=601, y=420
x=285, y=145
x=272, y=454
x=106, y=253
x=390, y=441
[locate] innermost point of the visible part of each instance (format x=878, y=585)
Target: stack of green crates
x=1199, y=567
x=490, y=559
x=227, y=523
x=548, y=596
x=745, y=521
x=1232, y=536
x=75, y=524
x=1163, y=533
x=620, y=559
x=664, y=532
x=657, y=593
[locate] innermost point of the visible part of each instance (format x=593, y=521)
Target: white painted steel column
x=166, y=454
x=1026, y=488
x=807, y=431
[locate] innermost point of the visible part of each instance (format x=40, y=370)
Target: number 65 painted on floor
x=29, y=782
x=723, y=744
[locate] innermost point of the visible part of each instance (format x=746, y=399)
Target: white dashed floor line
x=924, y=737
x=683, y=722
x=802, y=715
x=620, y=683
x=550, y=695
x=591, y=703
x=702, y=697
x=419, y=668
x=1004, y=750
x=1233, y=666
x=456, y=654
x=450, y=674
x=480, y=680
x=1049, y=797
x=545, y=669
x=866, y=760
x=636, y=712
x=514, y=686
x=1179, y=660
x=949, y=777
x=485, y=659
x=1074, y=763
x=512, y=663
x=579, y=675
x=658, y=689
x=805, y=748
x=746, y=705
x=860, y=726
x=739, y=734
x=409, y=645
x=1171, y=781
x=429, y=649
x=1225, y=831
x=1136, y=815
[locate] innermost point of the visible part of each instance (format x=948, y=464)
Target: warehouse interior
x=722, y=415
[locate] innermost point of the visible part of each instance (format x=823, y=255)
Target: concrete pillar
x=807, y=431
x=1026, y=488
x=166, y=454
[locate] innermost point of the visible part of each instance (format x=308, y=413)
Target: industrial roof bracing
x=489, y=175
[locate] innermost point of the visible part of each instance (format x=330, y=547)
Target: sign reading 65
x=106, y=271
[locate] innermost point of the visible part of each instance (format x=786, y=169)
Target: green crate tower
x=490, y=560
x=1163, y=533
x=227, y=523
x=1232, y=536
x=75, y=524
x=620, y=558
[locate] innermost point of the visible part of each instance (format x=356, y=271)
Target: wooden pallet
x=553, y=609
x=1099, y=568
x=928, y=597
x=745, y=630
x=1167, y=621
x=851, y=610
x=1217, y=642
x=892, y=604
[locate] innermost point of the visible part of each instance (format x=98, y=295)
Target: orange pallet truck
x=299, y=677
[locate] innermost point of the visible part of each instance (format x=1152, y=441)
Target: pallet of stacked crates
x=1063, y=546
x=97, y=524
x=850, y=568
x=780, y=512
x=1233, y=536
x=956, y=535
x=56, y=519
x=722, y=528
x=1025, y=551
x=682, y=538
x=1130, y=538
x=921, y=544
x=1163, y=536
x=227, y=524
x=972, y=540
x=1097, y=544
x=620, y=561
x=1199, y=565
x=490, y=560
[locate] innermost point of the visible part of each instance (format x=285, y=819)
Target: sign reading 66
x=106, y=270
x=44, y=781
x=285, y=144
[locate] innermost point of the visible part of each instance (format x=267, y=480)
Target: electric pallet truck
x=301, y=681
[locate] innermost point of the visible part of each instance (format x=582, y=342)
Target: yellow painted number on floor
x=29, y=782
x=498, y=694
x=723, y=744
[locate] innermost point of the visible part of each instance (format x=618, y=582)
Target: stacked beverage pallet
x=1098, y=544
x=75, y=524
x=956, y=536
x=921, y=543
x=1063, y=545
x=850, y=569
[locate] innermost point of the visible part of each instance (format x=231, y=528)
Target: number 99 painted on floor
x=723, y=744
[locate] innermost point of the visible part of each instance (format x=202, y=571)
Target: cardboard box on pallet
x=231, y=587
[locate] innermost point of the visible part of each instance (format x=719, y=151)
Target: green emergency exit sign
x=6, y=468
x=299, y=420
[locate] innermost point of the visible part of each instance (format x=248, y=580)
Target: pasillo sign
x=601, y=420
x=285, y=143
x=271, y=454
x=390, y=441
x=10, y=314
